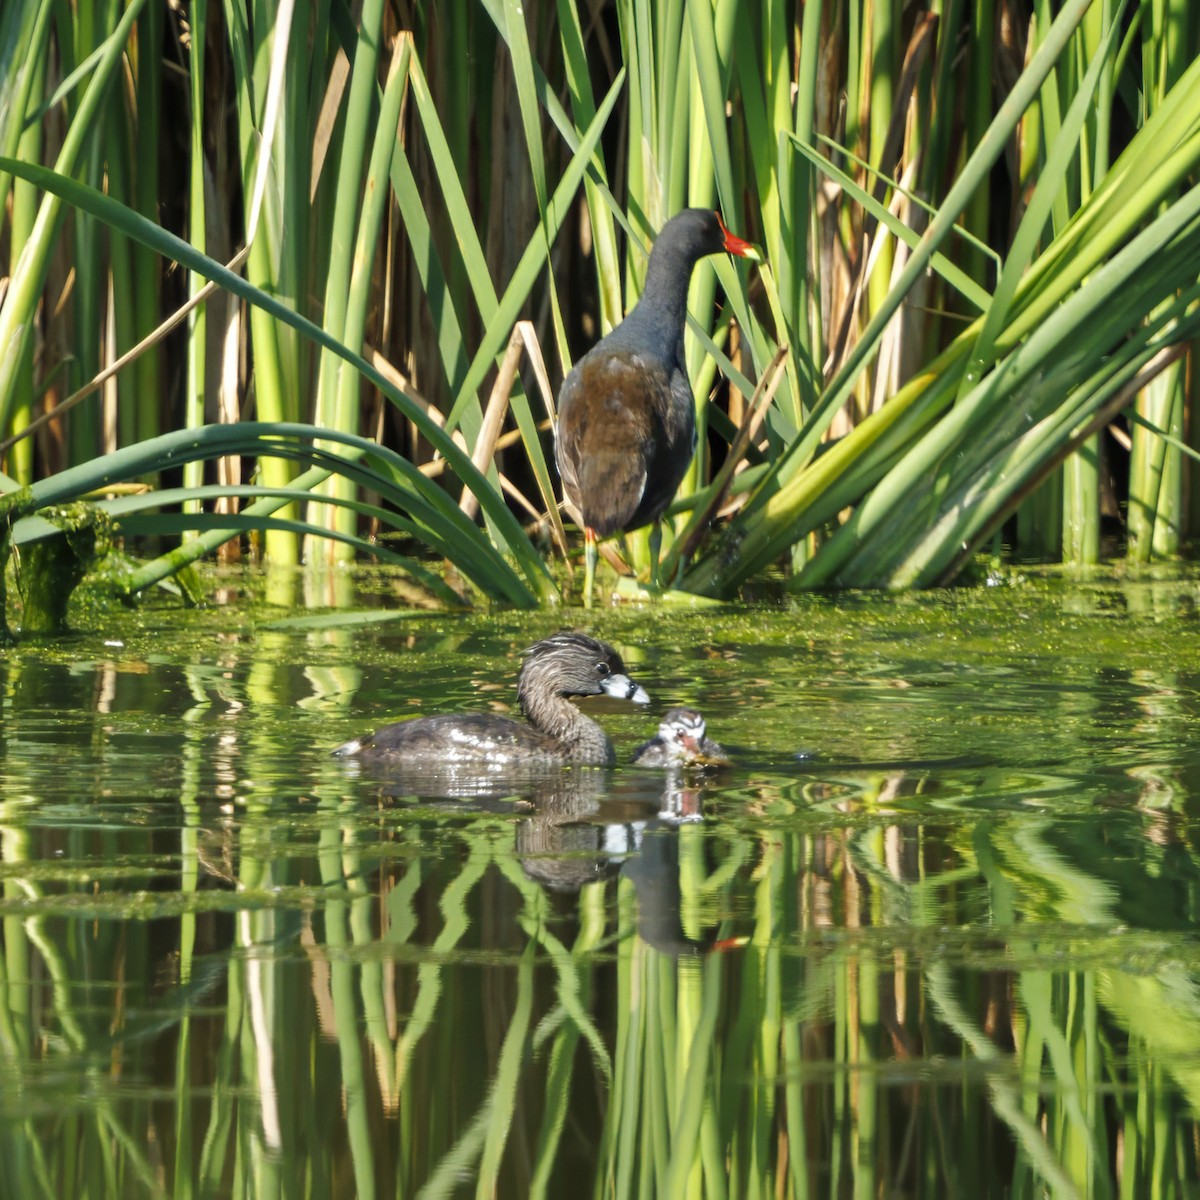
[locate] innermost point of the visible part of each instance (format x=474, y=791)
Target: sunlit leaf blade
x=159, y=239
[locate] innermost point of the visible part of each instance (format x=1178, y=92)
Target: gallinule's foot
x=626, y=415
x=568, y=664
x=680, y=742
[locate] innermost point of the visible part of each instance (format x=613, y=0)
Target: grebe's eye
x=602, y=669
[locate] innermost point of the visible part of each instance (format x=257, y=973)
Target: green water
x=934, y=935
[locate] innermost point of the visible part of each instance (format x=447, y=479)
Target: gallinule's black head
x=657, y=319
x=680, y=742
x=568, y=664
x=626, y=416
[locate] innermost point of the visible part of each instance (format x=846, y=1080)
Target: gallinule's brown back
x=626, y=416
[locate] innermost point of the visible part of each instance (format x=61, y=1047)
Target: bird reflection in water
x=633, y=831
x=585, y=825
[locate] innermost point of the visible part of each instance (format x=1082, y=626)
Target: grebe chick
x=681, y=742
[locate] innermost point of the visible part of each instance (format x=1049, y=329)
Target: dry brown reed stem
x=130, y=355
x=523, y=338
x=764, y=393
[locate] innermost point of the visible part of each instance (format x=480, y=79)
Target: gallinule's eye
x=602, y=669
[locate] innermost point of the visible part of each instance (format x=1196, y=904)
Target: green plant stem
x=195, y=384
x=25, y=286
x=352, y=240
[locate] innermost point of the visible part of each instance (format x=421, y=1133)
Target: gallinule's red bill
x=626, y=415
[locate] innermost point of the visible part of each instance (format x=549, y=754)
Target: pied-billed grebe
x=568, y=664
x=680, y=742
x=626, y=414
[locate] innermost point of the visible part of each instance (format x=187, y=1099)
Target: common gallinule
x=626, y=415
x=680, y=742
x=568, y=664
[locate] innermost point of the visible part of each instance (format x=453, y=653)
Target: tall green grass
x=978, y=226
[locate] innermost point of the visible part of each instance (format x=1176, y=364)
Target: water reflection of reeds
x=397, y=1006
x=933, y=975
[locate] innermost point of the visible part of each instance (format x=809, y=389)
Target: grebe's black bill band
x=621, y=687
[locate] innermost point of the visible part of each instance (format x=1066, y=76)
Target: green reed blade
x=196, y=382
x=1005, y=478
x=583, y=105
x=499, y=324
x=1029, y=232
x=915, y=198
x=260, y=58
x=352, y=157
x=23, y=32
x=137, y=227
x=503, y=1098
x=431, y=270
x=1089, y=305
x=499, y=329
x=788, y=513
x=346, y=384
x=168, y=524
x=958, y=279
x=352, y=235
x=989, y=148
x=25, y=286
x=517, y=38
